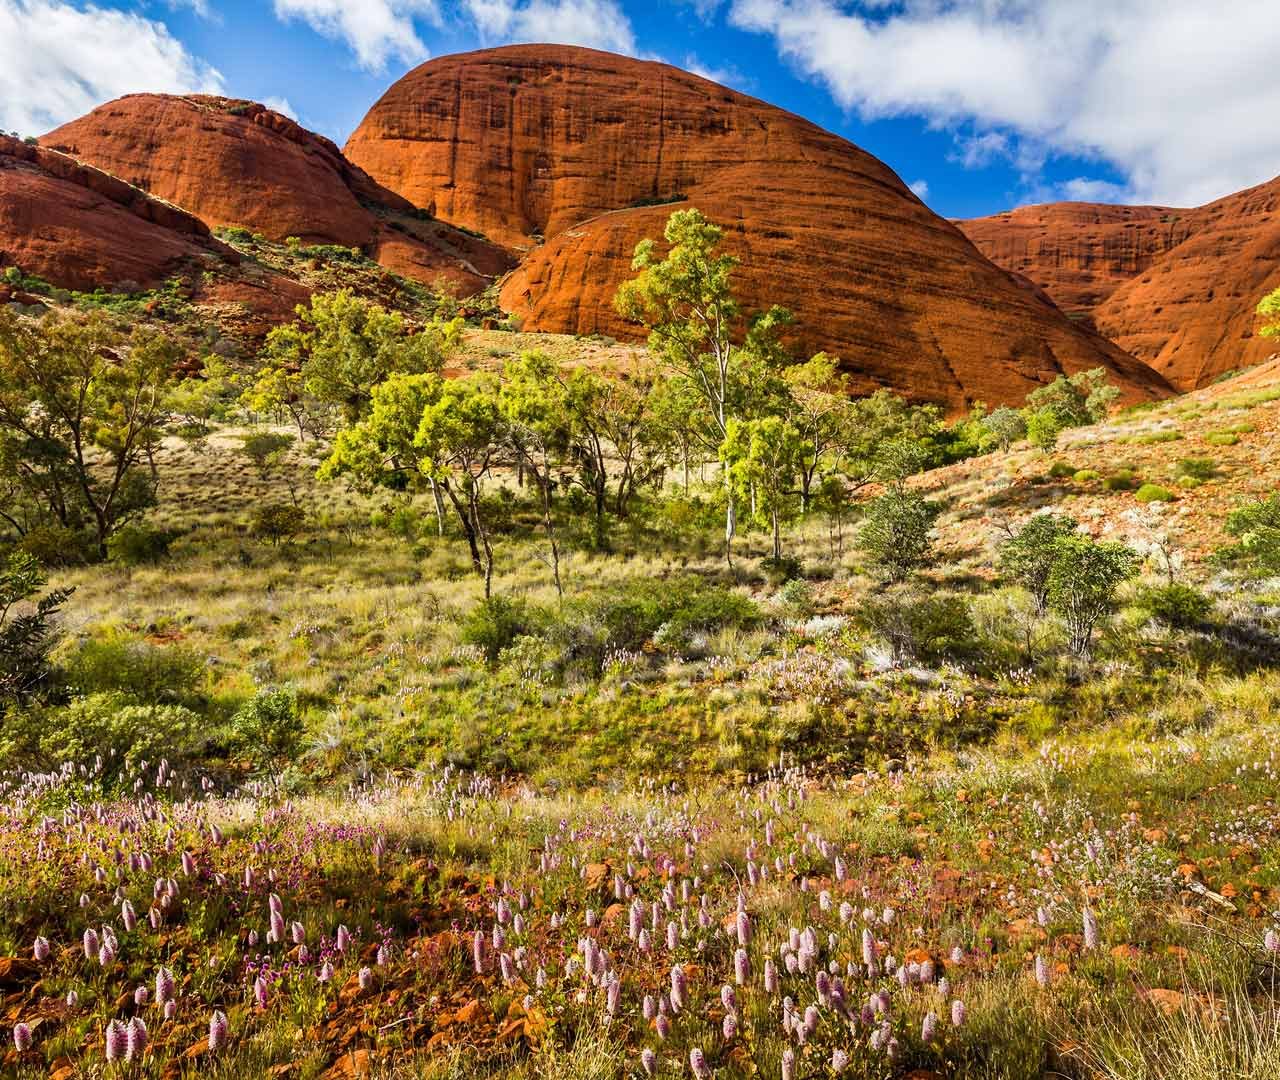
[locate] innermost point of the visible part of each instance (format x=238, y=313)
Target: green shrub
x=137, y=544
x=1150, y=493
x=105, y=725
x=1060, y=470
x=1198, y=468
x=1121, y=480
x=54, y=545
x=1087, y=476
x=27, y=632
x=897, y=533
x=1027, y=557
x=279, y=522
x=137, y=670
x=1154, y=438
x=268, y=728
x=1257, y=527
x=929, y=627
x=797, y=596
x=1190, y=483
x=1222, y=438
x=494, y=624
x=781, y=569
x=1181, y=606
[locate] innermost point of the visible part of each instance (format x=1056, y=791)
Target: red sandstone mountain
x=592, y=152
x=1176, y=288
x=79, y=228
x=1079, y=253
x=239, y=163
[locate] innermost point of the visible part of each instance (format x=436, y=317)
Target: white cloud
x=1173, y=93
x=726, y=75
x=979, y=151
x=598, y=24
x=1084, y=189
x=282, y=106
x=377, y=31
x=199, y=7
x=920, y=189
x=58, y=60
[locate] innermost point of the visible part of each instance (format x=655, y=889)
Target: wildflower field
x=1083, y=911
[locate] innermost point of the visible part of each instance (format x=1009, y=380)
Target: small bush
x=1060, y=470
x=279, y=522
x=1150, y=493
x=1180, y=606
x=494, y=624
x=1222, y=438
x=928, y=627
x=797, y=596
x=1198, y=468
x=138, y=670
x=1121, y=480
x=57, y=546
x=269, y=728
x=1087, y=476
x=137, y=544
x=776, y=571
x=1190, y=483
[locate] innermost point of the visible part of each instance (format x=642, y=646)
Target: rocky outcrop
x=1191, y=314
x=574, y=155
x=239, y=163
x=1176, y=288
x=1079, y=253
x=80, y=228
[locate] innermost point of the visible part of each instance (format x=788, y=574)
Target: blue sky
x=979, y=104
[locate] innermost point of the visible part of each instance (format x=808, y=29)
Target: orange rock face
x=592, y=152
x=1176, y=288
x=1079, y=253
x=1191, y=315
x=239, y=163
x=79, y=228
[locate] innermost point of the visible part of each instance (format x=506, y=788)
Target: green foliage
x=1180, y=606
x=797, y=596
x=27, y=629
x=1198, y=468
x=1084, y=398
x=1002, y=428
x=278, y=522
x=897, y=533
x=1043, y=428
x=1121, y=480
x=763, y=459
x=1257, y=530
x=1061, y=469
x=1222, y=438
x=1150, y=493
x=134, y=545
x=1269, y=310
x=107, y=726
x=1083, y=582
x=494, y=624
x=81, y=408
x=1027, y=557
x=266, y=449
x=268, y=728
x=340, y=348
x=136, y=670
x=927, y=627
x=1086, y=476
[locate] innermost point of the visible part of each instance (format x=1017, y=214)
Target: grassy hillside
x=756, y=820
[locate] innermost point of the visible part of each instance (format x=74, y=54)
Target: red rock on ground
x=239, y=163
x=80, y=228
x=1176, y=288
x=577, y=147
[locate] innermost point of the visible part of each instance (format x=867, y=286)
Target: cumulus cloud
x=920, y=189
x=377, y=31
x=1175, y=94
x=58, y=60
x=597, y=24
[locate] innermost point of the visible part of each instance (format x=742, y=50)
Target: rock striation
x=1176, y=288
